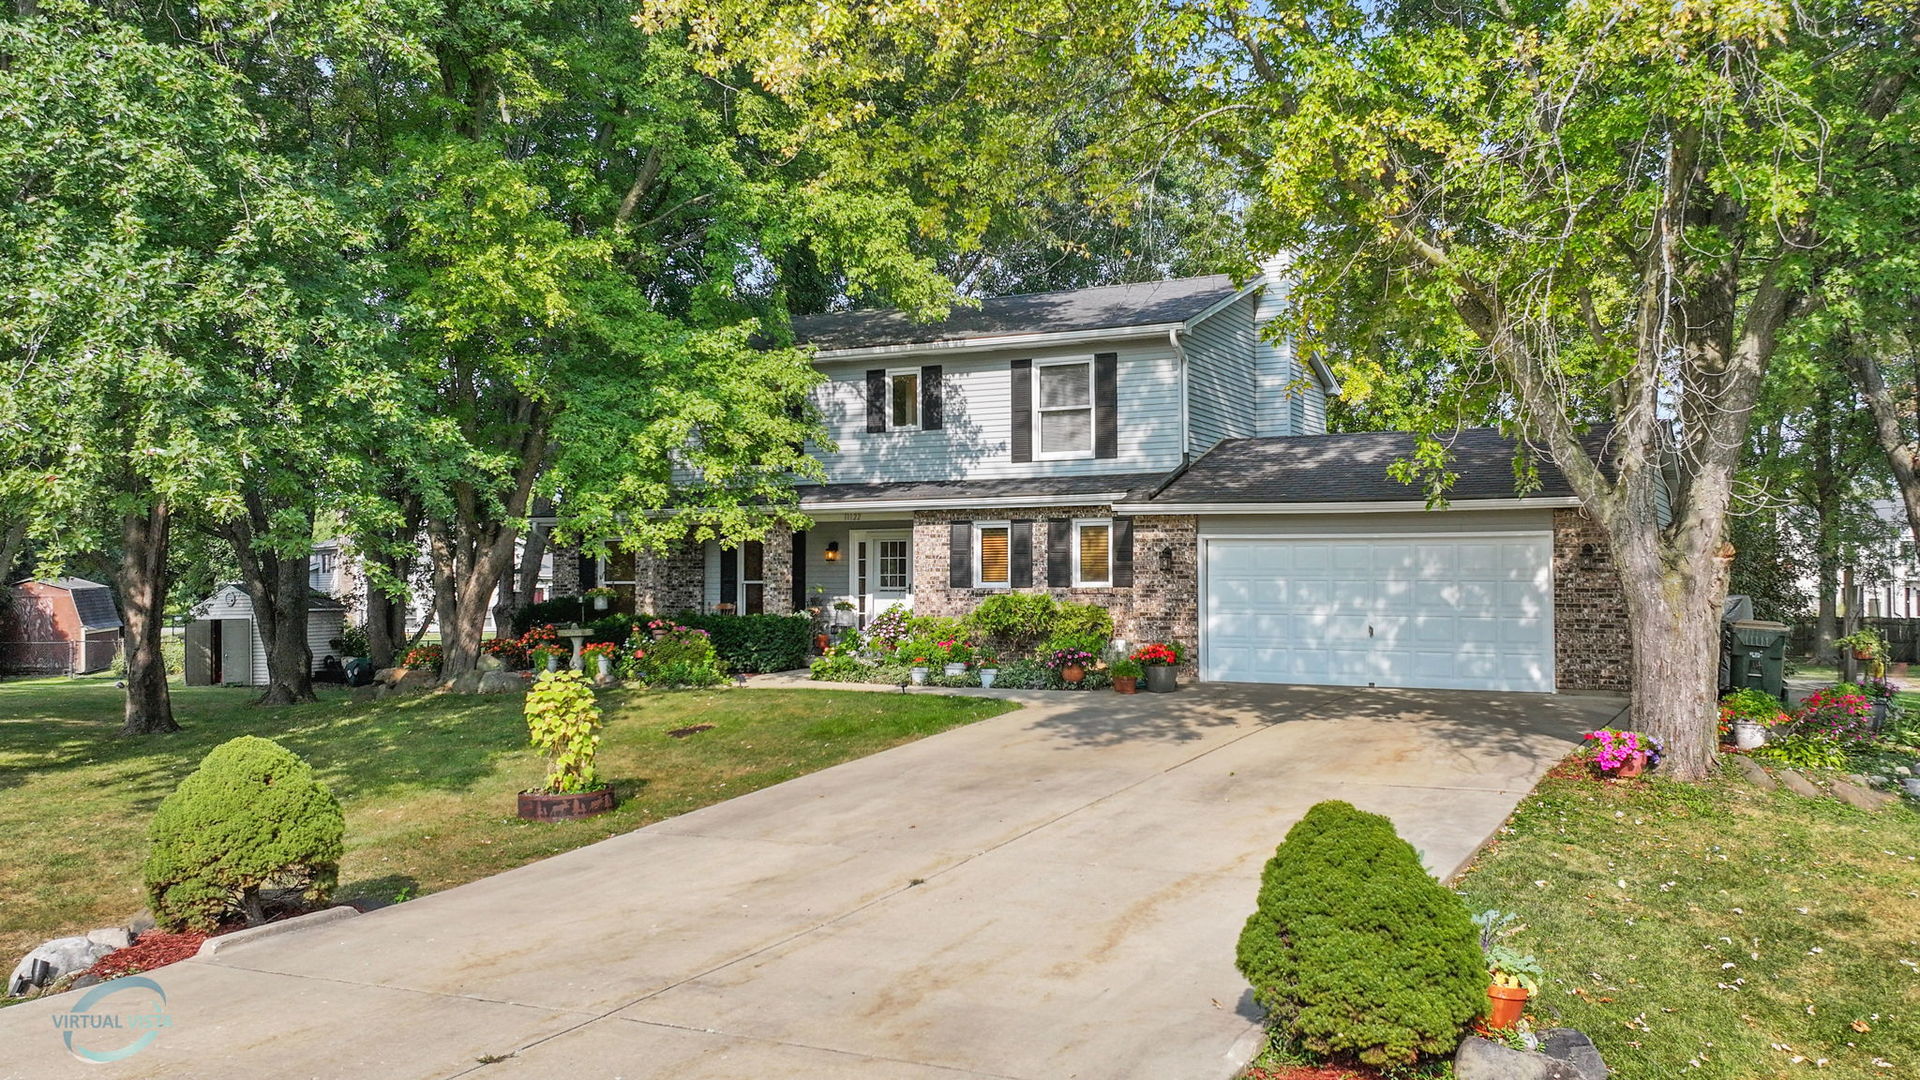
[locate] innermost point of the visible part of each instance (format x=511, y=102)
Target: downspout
x=1180, y=360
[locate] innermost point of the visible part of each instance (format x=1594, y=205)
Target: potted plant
x=1866, y=644
x=658, y=628
x=600, y=656
x=1070, y=665
x=1745, y=716
x=1512, y=977
x=1880, y=693
x=1160, y=659
x=843, y=613
x=1126, y=676
x=954, y=658
x=563, y=721
x=989, y=668
x=601, y=595
x=1623, y=755
x=919, y=672
x=546, y=656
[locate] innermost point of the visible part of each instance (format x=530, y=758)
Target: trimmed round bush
x=1354, y=951
x=250, y=820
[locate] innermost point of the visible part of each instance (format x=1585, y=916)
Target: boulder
x=413, y=680
x=52, y=961
x=114, y=937
x=141, y=923
x=490, y=662
x=1755, y=772
x=1484, y=1059
x=1863, y=797
x=1576, y=1049
x=465, y=683
x=387, y=676
x=501, y=682
x=1799, y=785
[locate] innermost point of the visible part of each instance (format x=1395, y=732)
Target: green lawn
x=427, y=783
x=1716, y=930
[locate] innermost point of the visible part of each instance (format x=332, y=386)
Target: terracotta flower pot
x=1862, y=654
x=540, y=806
x=820, y=642
x=1126, y=684
x=1073, y=673
x=1504, y=1006
x=1629, y=768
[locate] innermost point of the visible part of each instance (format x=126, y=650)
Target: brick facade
x=1592, y=650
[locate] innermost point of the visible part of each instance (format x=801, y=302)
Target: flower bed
x=1051, y=643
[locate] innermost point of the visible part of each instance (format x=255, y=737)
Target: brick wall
x=1592, y=650
x=1160, y=605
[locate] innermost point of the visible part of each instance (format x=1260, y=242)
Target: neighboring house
x=337, y=572
x=224, y=645
x=1144, y=447
x=63, y=625
x=1888, y=582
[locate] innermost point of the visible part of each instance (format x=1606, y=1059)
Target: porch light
x=832, y=554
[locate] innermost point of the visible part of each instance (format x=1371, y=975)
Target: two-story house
x=1145, y=447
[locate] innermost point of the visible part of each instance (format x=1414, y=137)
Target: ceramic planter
x=1879, y=715
x=919, y=676
x=1629, y=768
x=1072, y=673
x=599, y=603
x=540, y=806
x=953, y=671
x=1126, y=684
x=553, y=662
x=1504, y=1006
x=605, y=668
x=1748, y=735
x=1161, y=679
x=987, y=675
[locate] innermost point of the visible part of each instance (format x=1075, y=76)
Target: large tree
x=1617, y=208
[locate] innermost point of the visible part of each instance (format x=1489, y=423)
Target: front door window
x=882, y=572
x=893, y=566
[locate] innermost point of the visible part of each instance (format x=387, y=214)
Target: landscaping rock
x=1576, y=1049
x=115, y=937
x=1484, y=1059
x=466, y=683
x=1799, y=785
x=387, y=676
x=85, y=981
x=51, y=961
x=141, y=923
x=361, y=695
x=490, y=662
x=1863, y=797
x=501, y=682
x=1755, y=772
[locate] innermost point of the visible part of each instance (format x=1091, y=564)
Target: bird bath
x=575, y=634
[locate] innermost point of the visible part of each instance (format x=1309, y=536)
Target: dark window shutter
x=1106, y=405
x=799, y=570
x=1059, y=553
x=1020, y=555
x=933, y=399
x=730, y=577
x=1022, y=442
x=589, y=572
x=1122, y=545
x=877, y=400
x=960, y=555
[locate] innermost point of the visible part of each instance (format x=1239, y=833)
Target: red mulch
x=1310, y=1072
x=154, y=949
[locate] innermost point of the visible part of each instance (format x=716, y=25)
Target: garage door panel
x=1470, y=613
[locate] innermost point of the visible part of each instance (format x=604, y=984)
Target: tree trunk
x=278, y=587
x=143, y=595
x=517, y=585
x=1825, y=628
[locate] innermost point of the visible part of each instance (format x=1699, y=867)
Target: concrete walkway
x=1050, y=894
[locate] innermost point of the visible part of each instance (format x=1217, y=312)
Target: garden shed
x=62, y=625
x=224, y=644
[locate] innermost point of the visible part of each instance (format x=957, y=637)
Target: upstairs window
x=903, y=400
x=1063, y=397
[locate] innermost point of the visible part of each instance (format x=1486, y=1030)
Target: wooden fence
x=1903, y=639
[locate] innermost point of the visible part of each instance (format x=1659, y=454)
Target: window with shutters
x=1063, y=408
x=1093, y=553
x=903, y=400
x=992, y=556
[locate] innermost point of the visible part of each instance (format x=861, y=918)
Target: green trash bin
x=1757, y=656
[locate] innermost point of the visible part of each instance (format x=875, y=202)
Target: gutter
x=827, y=509
x=1378, y=507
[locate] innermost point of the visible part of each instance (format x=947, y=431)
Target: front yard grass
x=427, y=783
x=1716, y=930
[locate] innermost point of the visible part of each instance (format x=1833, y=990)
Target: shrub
x=1081, y=621
x=756, y=643
x=1798, y=750
x=509, y=651
x=353, y=642
x=559, y=611
x=684, y=657
x=426, y=656
x=937, y=628
x=1016, y=621
x=1354, y=950
x=839, y=669
x=250, y=820
x=563, y=721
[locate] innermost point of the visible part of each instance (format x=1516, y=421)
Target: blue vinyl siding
x=1221, y=376
x=976, y=441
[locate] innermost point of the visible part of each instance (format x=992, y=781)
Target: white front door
x=1466, y=612
x=882, y=571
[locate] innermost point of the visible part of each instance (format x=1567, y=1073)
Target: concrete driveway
x=1050, y=894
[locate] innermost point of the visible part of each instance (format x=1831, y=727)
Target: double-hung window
x=1063, y=408
x=903, y=400
x=992, y=554
x=1093, y=553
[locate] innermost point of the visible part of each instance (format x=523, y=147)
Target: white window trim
x=600, y=576
x=919, y=398
x=1040, y=453
x=1087, y=583
x=978, y=550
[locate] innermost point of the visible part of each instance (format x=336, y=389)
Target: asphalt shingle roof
x=1352, y=467
x=1101, y=308
x=94, y=604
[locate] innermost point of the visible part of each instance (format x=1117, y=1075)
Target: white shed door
x=1469, y=613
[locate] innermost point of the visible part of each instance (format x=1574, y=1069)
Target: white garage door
x=1467, y=612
